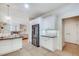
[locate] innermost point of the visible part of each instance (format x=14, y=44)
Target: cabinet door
x=49, y=22
x=18, y=27
x=17, y=43
x=42, y=41
x=51, y=44
x=70, y=31
x=5, y=46
x=48, y=43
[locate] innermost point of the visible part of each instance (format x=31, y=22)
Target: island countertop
x=48, y=36
x=10, y=38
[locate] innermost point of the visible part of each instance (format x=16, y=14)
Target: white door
x=77, y=31
x=70, y=31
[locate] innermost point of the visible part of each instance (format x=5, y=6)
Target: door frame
x=76, y=17
x=63, y=33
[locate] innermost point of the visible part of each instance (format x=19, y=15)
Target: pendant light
x=8, y=14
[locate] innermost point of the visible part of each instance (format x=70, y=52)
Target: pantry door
x=77, y=31
x=70, y=31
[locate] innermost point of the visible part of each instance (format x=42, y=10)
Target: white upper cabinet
x=48, y=23
x=15, y=27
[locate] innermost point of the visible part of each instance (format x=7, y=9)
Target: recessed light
x=26, y=5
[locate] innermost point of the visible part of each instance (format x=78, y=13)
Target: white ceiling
x=36, y=9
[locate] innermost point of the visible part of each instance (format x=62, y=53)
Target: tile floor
x=30, y=50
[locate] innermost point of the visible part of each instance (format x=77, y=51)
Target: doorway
x=71, y=35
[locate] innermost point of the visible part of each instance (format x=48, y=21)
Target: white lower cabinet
x=10, y=45
x=48, y=43
x=17, y=43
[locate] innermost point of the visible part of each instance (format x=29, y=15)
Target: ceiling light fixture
x=26, y=5
x=8, y=17
x=8, y=14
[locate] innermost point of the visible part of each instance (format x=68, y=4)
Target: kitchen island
x=10, y=44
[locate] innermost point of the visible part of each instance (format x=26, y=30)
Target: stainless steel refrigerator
x=35, y=35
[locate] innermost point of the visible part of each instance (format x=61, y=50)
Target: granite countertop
x=9, y=38
x=48, y=36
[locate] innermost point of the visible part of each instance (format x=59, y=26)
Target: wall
x=68, y=10
x=17, y=16
x=46, y=23
x=32, y=22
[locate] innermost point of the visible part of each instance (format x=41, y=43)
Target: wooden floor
x=68, y=48
x=25, y=41
x=71, y=48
